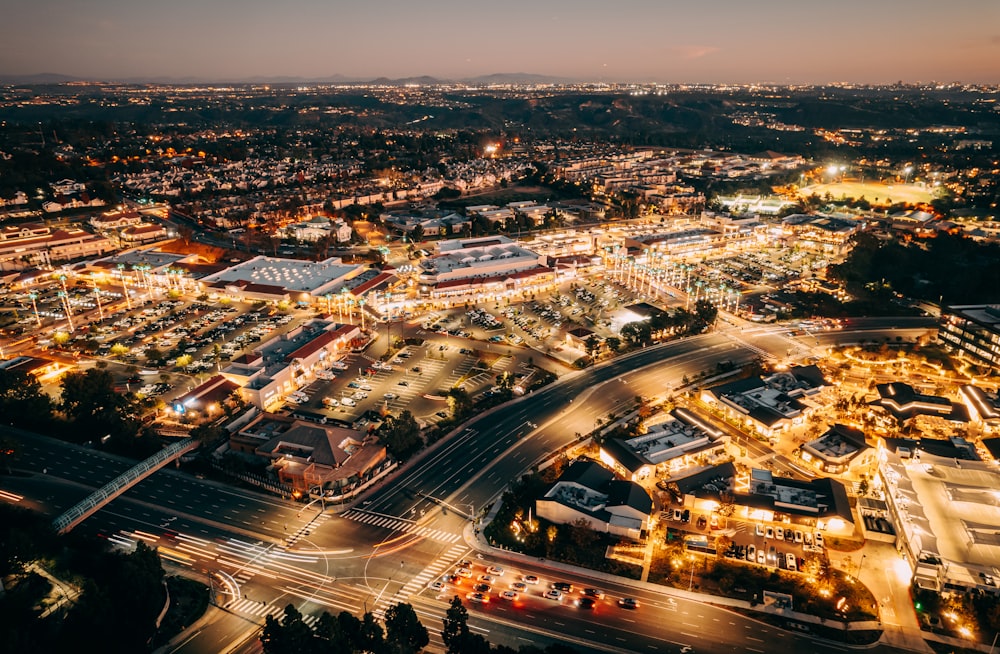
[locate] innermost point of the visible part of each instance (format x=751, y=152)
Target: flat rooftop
x=153, y=258
x=289, y=274
x=953, y=505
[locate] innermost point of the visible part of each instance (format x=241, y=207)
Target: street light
x=691, y=580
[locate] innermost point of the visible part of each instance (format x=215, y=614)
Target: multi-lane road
x=266, y=552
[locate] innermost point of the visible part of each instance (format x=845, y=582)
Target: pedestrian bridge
x=100, y=498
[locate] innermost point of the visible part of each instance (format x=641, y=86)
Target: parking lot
x=415, y=378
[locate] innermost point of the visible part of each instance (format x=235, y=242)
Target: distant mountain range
x=425, y=80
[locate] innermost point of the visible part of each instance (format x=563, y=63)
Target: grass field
x=873, y=192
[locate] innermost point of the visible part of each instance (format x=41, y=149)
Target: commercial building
x=768, y=405
x=837, y=449
x=665, y=448
x=273, y=279
x=482, y=267
x=908, y=407
x=973, y=330
x=818, y=503
x=31, y=245
x=589, y=492
x=305, y=455
x=983, y=407
x=287, y=362
x=946, y=516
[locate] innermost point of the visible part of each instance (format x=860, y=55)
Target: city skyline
x=722, y=41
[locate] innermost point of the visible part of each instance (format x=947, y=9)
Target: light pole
x=691, y=580
x=34, y=305
x=97, y=294
x=121, y=274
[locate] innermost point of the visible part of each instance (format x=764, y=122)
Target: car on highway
x=508, y=595
x=464, y=572
x=529, y=579
x=478, y=598
x=586, y=603
x=519, y=586
x=482, y=588
x=628, y=603
x=436, y=585
x=495, y=571
x=487, y=579
x=563, y=586
x=594, y=593
x=553, y=595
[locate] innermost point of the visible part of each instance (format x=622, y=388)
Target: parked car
x=751, y=553
x=790, y=561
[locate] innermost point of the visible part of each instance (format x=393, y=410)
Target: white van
x=348, y=402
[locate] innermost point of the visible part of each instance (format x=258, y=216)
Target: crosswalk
x=307, y=529
x=399, y=524
x=260, y=609
x=433, y=571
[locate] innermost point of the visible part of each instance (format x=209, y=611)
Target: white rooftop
x=290, y=274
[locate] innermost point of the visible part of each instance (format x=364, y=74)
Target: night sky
x=782, y=41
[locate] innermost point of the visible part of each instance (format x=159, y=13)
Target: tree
x=90, y=402
x=404, y=632
x=22, y=400
x=456, y=626
x=290, y=635
x=459, y=402
x=153, y=355
x=401, y=435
